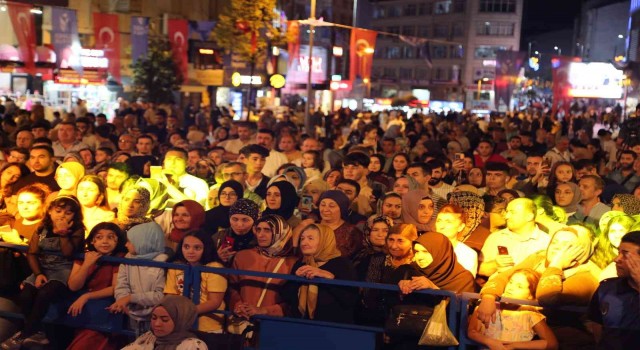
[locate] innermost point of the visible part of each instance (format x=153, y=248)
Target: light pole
x=307, y=108
x=485, y=79
x=559, y=50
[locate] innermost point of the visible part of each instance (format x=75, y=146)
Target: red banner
x=178, y=29
x=293, y=47
x=363, y=43
x=23, y=26
x=107, y=34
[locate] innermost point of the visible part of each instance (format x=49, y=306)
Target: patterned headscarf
x=281, y=243
x=183, y=314
x=473, y=208
x=246, y=207
x=630, y=204
x=126, y=222
x=158, y=193
x=327, y=250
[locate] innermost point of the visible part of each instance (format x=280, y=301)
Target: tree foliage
x=157, y=76
x=246, y=28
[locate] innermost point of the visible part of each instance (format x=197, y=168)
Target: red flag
x=23, y=26
x=105, y=29
x=178, y=29
x=363, y=43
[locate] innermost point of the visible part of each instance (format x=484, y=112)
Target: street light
x=620, y=36
x=485, y=79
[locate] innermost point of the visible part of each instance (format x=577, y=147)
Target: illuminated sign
x=277, y=81
x=237, y=79
x=316, y=64
x=595, y=80
x=88, y=77
x=340, y=85
x=91, y=58
x=534, y=63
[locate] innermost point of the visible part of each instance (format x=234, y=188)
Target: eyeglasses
x=228, y=194
x=228, y=175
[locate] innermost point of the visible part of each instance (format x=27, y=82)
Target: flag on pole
x=425, y=48
x=23, y=26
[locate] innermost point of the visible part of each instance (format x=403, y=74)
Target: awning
x=45, y=56
x=193, y=88
x=9, y=53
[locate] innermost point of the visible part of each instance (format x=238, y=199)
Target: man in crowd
x=560, y=152
x=117, y=173
x=625, y=174
x=42, y=161
x=180, y=184
x=233, y=146
x=536, y=170
x=436, y=183
x=254, y=157
x=24, y=139
x=275, y=159
x=127, y=143
x=497, y=177
x=352, y=189
x=67, y=141
x=486, y=154
x=591, y=208
x=517, y=159
x=355, y=166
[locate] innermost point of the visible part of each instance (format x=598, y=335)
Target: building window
x=425, y=8
x=422, y=74
x=495, y=28
x=441, y=30
x=393, y=29
x=438, y=51
x=498, y=6
x=389, y=73
x=423, y=31
x=410, y=10
x=459, y=6
x=458, y=29
x=442, y=7
x=440, y=74
x=409, y=52
x=393, y=52
x=406, y=73
x=409, y=30
x=376, y=72
x=379, y=12
x=394, y=11
x=456, y=51
x=380, y=52
x=487, y=51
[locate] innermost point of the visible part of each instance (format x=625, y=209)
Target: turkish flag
x=23, y=26
x=178, y=29
x=107, y=34
x=363, y=43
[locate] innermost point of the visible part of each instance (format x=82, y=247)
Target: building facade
x=466, y=35
x=600, y=31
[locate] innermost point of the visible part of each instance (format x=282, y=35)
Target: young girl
x=313, y=164
x=515, y=326
x=196, y=248
x=139, y=288
x=98, y=279
x=61, y=231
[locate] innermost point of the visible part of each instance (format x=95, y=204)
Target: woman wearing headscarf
x=567, y=196
x=274, y=254
x=334, y=208
x=321, y=258
x=243, y=214
x=418, y=210
x=187, y=215
x=174, y=335
x=133, y=208
x=626, y=203
x=376, y=170
x=67, y=176
x=282, y=200
x=473, y=234
x=314, y=189
x=567, y=277
x=218, y=217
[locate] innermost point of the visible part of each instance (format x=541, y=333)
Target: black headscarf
x=289, y=200
x=218, y=217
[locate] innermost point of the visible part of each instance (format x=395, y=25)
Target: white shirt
x=234, y=145
x=519, y=246
x=195, y=188
x=467, y=257
x=273, y=162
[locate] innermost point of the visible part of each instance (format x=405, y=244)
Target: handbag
x=437, y=332
x=408, y=320
x=238, y=325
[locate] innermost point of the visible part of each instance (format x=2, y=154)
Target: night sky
x=541, y=16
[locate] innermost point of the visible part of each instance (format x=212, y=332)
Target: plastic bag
x=437, y=332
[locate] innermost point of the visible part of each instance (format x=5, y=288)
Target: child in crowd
x=97, y=278
x=313, y=164
x=139, y=288
x=515, y=326
x=61, y=232
x=196, y=248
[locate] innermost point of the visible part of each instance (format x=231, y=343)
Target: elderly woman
x=188, y=215
x=473, y=234
x=334, y=208
x=250, y=295
x=170, y=324
x=321, y=258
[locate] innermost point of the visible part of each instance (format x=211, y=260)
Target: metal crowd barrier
x=277, y=333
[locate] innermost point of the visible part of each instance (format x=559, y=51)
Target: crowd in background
x=520, y=205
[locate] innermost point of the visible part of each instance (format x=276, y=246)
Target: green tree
x=157, y=76
x=246, y=28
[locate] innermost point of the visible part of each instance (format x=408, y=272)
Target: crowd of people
x=521, y=205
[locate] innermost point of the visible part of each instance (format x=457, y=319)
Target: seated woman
x=187, y=215
x=196, y=249
x=390, y=204
x=31, y=210
x=449, y=223
x=218, y=217
x=170, y=324
x=417, y=209
x=251, y=295
x=334, y=208
x=613, y=225
x=97, y=278
x=10, y=173
x=239, y=236
x=92, y=195
x=282, y=199
x=321, y=258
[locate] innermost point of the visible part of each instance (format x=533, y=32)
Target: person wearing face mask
x=251, y=295
x=239, y=236
x=321, y=258
x=170, y=324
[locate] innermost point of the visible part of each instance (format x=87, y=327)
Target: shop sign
x=210, y=77
x=92, y=58
x=69, y=76
x=238, y=79
x=277, y=81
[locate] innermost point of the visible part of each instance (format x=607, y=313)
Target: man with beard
x=438, y=172
x=624, y=174
x=536, y=171
x=43, y=164
x=517, y=159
